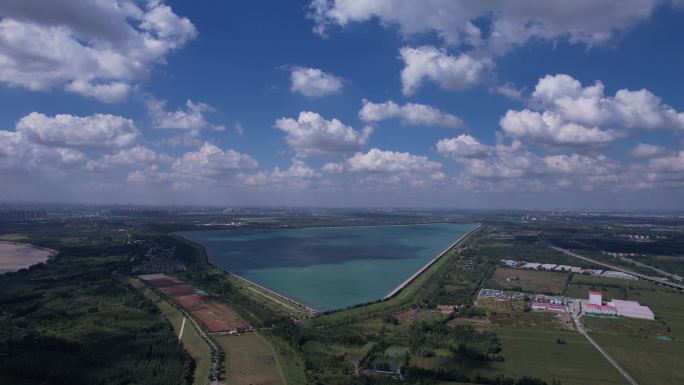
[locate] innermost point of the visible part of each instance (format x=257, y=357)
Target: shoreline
x=309, y=308
x=312, y=310
x=50, y=253
x=430, y=263
x=278, y=295
x=328, y=227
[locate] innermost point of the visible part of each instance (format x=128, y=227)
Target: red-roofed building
x=595, y=298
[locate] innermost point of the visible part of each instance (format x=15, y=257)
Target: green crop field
x=530, y=281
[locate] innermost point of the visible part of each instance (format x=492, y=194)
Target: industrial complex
x=616, y=307
x=594, y=305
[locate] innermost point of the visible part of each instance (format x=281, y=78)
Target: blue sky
x=343, y=103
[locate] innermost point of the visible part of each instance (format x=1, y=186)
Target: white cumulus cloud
x=191, y=118
x=497, y=26
x=376, y=160
x=449, y=72
x=549, y=128
x=409, y=113
x=564, y=112
x=92, y=47
x=64, y=130
x=462, y=146
x=645, y=150
x=311, y=134
x=210, y=161
x=313, y=82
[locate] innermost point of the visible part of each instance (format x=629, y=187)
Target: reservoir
x=15, y=256
x=329, y=267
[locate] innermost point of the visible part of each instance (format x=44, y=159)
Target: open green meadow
x=529, y=281
x=651, y=351
x=250, y=360
x=580, y=285
x=536, y=351
x=290, y=362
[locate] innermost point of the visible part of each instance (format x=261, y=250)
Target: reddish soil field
x=212, y=316
x=406, y=316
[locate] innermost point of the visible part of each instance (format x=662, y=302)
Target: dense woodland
x=75, y=320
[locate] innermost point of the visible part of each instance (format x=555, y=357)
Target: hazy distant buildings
x=23, y=215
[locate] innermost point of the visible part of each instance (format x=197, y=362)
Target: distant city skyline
x=341, y=103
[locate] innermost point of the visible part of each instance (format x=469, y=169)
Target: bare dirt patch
x=213, y=316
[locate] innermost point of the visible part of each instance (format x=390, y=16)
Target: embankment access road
x=432, y=261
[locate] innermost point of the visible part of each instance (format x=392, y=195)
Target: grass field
x=192, y=341
x=250, y=359
x=291, y=364
x=535, y=351
x=580, y=285
x=530, y=347
x=635, y=345
x=528, y=281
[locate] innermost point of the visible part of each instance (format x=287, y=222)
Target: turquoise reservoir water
x=329, y=267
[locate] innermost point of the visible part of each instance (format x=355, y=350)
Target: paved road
x=610, y=359
x=661, y=272
x=612, y=267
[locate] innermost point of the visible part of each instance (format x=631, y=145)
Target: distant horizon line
x=337, y=207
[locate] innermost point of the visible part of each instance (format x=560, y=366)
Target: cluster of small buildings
x=632, y=309
x=540, y=302
x=565, y=268
x=158, y=259
x=554, y=308
x=500, y=295
x=554, y=305
x=636, y=237
x=620, y=254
